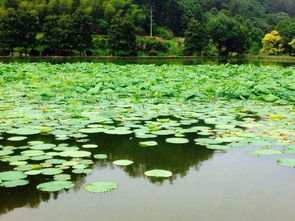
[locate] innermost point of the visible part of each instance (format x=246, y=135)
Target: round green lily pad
x=12, y=175
x=5, y=152
x=62, y=177
x=18, y=163
x=148, y=143
x=34, y=142
x=14, y=183
x=264, y=152
x=51, y=171
x=33, y=172
x=100, y=187
x=55, y=161
x=75, y=153
x=43, y=146
x=158, y=173
x=32, y=153
x=89, y=146
x=100, y=156
x=53, y=186
x=288, y=162
x=123, y=162
x=23, y=131
x=177, y=140
x=219, y=147
x=16, y=138
x=80, y=170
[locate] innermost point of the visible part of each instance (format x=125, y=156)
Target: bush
x=148, y=44
x=164, y=33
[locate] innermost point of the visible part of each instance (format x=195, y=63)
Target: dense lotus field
x=238, y=105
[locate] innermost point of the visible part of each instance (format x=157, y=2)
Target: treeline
x=209, y=27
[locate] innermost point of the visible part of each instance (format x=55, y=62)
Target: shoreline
x=245, y=57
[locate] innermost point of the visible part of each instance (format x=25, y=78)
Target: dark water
x=157, y=61
x=206, y=185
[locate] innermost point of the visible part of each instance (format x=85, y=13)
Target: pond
x=156, y=60
x=222, y=136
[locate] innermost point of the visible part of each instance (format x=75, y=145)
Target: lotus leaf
x=177, y=140
x=158, y=173
x=54, y=186
x=123, y=162
x=100, y=187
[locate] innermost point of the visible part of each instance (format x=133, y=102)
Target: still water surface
x=156, y=61
x=206, y=185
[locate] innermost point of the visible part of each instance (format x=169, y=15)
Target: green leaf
x=54, y=186
x=158, y=173
x=100, y=187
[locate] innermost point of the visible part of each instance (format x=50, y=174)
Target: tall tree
x=18, y=28
x=286, y=29
x=196, y=38
x=228, y=34
x=82, y=28
x=121, y=36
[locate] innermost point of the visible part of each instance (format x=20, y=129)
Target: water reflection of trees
x=175, y=158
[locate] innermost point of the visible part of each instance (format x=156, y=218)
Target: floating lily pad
x=219, y=147
x=35, y=142
x=51, y=171
x=100, y=187
x=123, y=162
x=100, y=156
x=18, y=163
x=148, y=143
x=55, y=161
x=32, y=153
x=43, y=146
x=12, y=175
x=90, y=146
x=158, y=173
x=163, y=132
x=54, y=186
x=177, y=140
x=23, y=131
x=264, y=152
x=16, y=138
x=5, y=152
x=80, y=171
x=33, y=172
x=77, y=153
x=288, y=162
x=62, y=177
x=14, y=183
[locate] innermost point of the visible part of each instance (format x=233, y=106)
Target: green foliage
x=121, y=36
x=272, y=43
x=164, y=33
x=18, y=28
x=151, y=44
x=196, y=38
x=62, y=34
x=100, y=187
x=228, y=34
x=286, y=29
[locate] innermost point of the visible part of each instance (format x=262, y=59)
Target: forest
x=147, y=27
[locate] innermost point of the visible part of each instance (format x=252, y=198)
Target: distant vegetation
x=121, y=27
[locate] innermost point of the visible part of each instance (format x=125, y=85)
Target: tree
x=272, y=43
x=292, y=44
x=287, y=30
x=82, y=28
x=228, y=34
x=196, y=38
x=58, y=34
x=121, y=36
x=18, y=28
